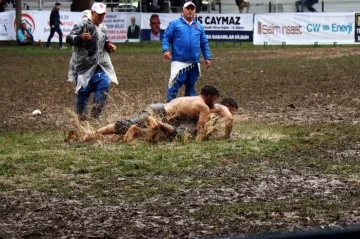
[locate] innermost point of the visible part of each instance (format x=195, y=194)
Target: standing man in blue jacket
x=55, y=26
x=182, y=41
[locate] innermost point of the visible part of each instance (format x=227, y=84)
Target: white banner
x=304, y=28
x=6, y=29
x=227, y=27
x=226, y=22
x=38, y=24
x=119, y=26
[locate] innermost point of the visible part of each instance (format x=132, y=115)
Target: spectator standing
x=198, y=4
x=145, y=6
x=157, y=5
x=91, y=65
x=176, y=4
x=186, y=38
x=243, y=4
x=55, y=26
x=308, y=3
x=12, y=2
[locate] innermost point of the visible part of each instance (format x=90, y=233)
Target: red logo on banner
x=28, y=20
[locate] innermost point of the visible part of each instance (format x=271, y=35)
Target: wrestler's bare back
x=189, y=107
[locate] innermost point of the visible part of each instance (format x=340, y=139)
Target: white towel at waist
x=177, y=67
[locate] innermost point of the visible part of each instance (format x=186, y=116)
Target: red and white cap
x=99, y=8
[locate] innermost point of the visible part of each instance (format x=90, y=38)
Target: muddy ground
x=298, y=85
x=273, y=86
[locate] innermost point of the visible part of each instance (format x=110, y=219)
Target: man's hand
x=86, y=36
x=52, y=26
x=167, y=55
x=112, y=47
x=207, y=64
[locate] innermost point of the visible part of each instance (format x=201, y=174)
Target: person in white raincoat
x=90, y=65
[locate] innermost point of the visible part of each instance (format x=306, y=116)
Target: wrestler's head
x=210, y=94
x=231, y=104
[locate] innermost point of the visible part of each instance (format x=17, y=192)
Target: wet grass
x=42, y=161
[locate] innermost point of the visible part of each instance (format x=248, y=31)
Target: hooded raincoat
x=88, y=55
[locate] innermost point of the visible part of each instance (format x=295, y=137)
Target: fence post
x=322, y=6
x=269, y=7
x=220, y=6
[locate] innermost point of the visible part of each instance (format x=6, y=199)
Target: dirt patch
x=190, y=213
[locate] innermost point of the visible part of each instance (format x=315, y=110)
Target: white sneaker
x=63, y=48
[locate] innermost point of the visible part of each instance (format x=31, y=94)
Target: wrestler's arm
x=203, y=117
x=229, y=118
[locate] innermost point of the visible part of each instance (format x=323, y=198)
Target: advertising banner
x=304, y=28
x=218, y=27
x=122, y=27
x=6, y=29
x=38, y=24
x=153, y=25
x=227, y=27
x=131, y=26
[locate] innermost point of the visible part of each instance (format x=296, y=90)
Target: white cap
x=189, y=3
x=99, y=8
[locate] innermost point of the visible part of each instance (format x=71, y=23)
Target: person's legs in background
x=173, y=90
x=59, y=32
x=100, y=83
x=81, y=103
x=240, y=8
x=299, y=6
x=52, y=32
x=191, y=79
x=309, y=4
x=247, y=7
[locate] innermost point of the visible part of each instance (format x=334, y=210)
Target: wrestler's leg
x=166, y=128
x=133, y=132
x=108, y=129
x=153, y=122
